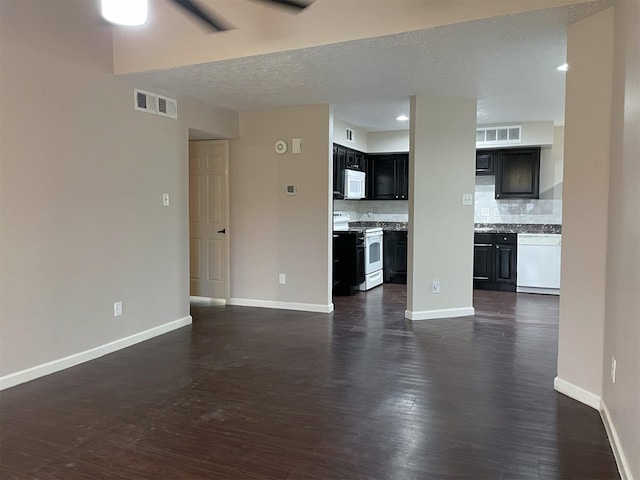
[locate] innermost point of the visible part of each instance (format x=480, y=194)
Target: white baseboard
x=540, y=290
x=577, y=393
x=444, y=313
x=207, y=301
x=48, y=368
x=623, y=464
x=304, y=307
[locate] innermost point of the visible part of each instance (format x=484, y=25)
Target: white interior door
x=208, y=216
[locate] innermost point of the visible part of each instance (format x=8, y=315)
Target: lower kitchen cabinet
x=495, y=261
x=348, y=262
x=394, y=258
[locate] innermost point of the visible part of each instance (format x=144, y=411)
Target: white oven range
x=372, y=250
x=372, y=258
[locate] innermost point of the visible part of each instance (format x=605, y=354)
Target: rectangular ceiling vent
x=350, y=135
x=153, y=103
x=502, y=135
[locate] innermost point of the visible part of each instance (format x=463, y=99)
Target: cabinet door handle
x=497, y=246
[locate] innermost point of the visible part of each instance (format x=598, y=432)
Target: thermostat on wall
x=292, y=189
x=281, y=147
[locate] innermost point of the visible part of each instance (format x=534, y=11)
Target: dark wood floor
x=361, y=394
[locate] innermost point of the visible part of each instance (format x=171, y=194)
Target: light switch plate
x=296, y=146
x=467, y=199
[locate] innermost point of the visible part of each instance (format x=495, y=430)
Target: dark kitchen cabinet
x=484, y=162
x=348, y=261
x=518, y=173
x=355, y=160
x=483, y=257
x=388, y=176
x=394, y=257
x=344, y=158
x=494, y=261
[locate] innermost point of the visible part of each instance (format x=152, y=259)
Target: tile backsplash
x=374, y=210
x=490, y=210
x=487, y=208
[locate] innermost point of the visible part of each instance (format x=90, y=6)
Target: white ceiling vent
x=502, y=135
x=153, y=103
x=349, y=135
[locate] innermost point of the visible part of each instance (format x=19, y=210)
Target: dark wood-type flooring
x=360, y=394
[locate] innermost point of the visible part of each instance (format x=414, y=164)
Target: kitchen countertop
x=517, y=228
x=478, y=227
x=397, y=226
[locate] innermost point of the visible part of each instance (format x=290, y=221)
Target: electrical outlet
x=165, y=199
x=436, y=286
x=282, y=278
x=117, y=309
x=613, y=369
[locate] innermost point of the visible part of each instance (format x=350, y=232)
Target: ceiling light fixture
x=563, y=68
x=402, y=118
x=125, y=12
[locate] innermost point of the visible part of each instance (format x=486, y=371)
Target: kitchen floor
x=249, y=393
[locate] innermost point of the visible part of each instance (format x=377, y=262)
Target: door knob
x=224, y=230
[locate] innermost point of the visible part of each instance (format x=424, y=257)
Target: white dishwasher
x=539, y=263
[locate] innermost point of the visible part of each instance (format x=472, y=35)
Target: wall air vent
x=349, y=135
x=145, y=101
x=167, y=107
x=502, y=135
x=153, y=103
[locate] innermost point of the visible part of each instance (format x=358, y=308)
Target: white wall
x=441, y=170
x=622, y=310
x=388, y=142
x=359, y=141
x=274, y=233
x=82, y=174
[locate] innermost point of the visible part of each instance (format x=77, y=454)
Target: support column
x=441, y=170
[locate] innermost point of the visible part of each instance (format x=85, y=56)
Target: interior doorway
x=208, y=219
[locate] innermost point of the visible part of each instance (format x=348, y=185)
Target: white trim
x=621, y=460
x=577, y=393
x=207, y=301
x=444, y=313
x=540, y=290
x=48, y=368
x=304, y=307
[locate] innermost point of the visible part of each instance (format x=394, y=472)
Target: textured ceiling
x=508, y=63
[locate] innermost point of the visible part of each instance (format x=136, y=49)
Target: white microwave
x=353, y=184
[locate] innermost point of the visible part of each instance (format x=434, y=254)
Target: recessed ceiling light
x=402, y=118
x=563, y=68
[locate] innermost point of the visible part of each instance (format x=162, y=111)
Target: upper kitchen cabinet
x=484, y=162
x=355, y=160
x=388, y=176
x=344, y=158
x=518, y=173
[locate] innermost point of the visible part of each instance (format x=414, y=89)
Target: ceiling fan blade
x=213, y=22
x=294, y=4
